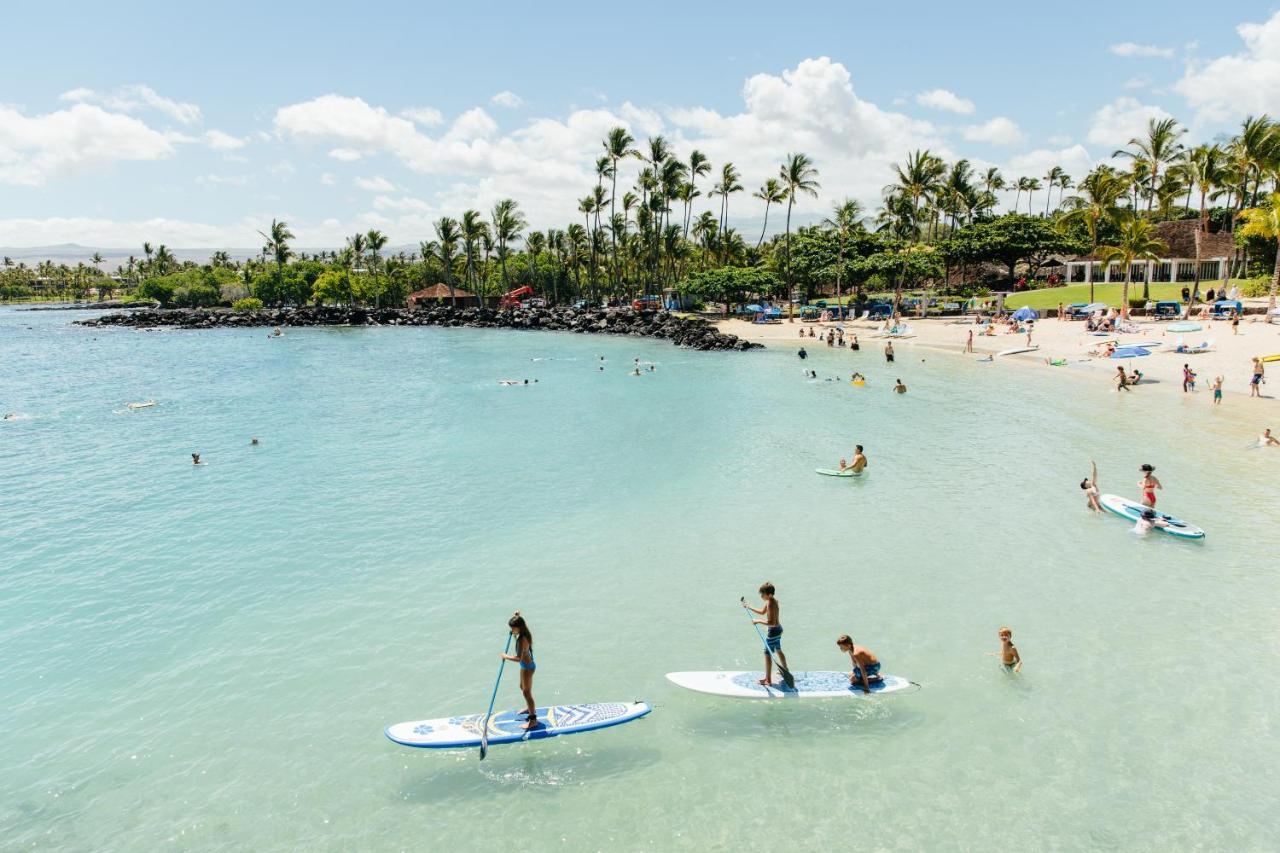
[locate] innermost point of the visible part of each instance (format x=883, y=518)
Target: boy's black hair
x=766, y=588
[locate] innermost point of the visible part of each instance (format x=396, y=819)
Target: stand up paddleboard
x=461, y=732
x=833, y=472
x=809, y=685
x=1017, y=350
x=1132, y=510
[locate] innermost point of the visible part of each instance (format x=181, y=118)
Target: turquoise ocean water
x=204, y=658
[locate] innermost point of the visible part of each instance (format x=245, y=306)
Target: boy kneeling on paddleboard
x=866, y=666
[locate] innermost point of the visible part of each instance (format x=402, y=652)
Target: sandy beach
x=1056, y=340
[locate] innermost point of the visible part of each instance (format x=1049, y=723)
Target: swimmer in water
x=899, y=388
x=1009, y=657
x=195, y=459
x=1090, y=486
x=859, y=460
x=1264, y=440
x=1148, y=520
x=144, y=405
x=253, y=442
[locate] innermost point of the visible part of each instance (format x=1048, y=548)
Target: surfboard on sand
x=809, y=685
x=1017, y=350
x=508, y=727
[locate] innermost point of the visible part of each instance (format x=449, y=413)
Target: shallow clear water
x=204, y=657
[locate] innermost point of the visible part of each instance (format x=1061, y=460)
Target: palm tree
x=1264, y=222
x=165, y=260
x=845, y=218
x=1102, y=190
x=277, y=239
x=447, y=237
x=728, y=185
x=917, y=180
x=1021, y=187
x=374, y=242
x=699, y=165
x=1137, y=243
x=356, y=246
x=1064, y=183
x=798, y=175
x=473, y=229
x=617, y=145
x=1033, y=184
x=1160, y=146
x=1050, y=181
x=770, y=192
x=148, y=251
x=993, y=182
x=508, y=224
x=1204, y=167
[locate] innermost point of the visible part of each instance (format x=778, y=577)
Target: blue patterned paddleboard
x=508, y=727
x=809, y=685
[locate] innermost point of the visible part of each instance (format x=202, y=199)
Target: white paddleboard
x=1017, y=350
x=1131, y=510
x=835, y=472
x=809, y=685
x=508, y=727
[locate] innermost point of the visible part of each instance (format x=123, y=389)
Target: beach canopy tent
x=879, y=311
x=1025, y=313
x=752, y=309
x=1228, y=308
x=1095, y=307
x=1077, y=310
x=1168, y=308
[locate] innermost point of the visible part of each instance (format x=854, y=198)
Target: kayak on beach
x=462, y=732
x=818, y=684
x=1132, y=511
x=835, y=472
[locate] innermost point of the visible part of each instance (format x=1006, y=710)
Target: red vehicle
x=650, y=302
x=512, y=298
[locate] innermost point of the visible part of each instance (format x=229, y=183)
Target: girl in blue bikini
x=524, y=657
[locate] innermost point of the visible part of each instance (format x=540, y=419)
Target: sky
x=197, y=126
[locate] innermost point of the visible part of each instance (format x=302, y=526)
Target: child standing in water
x=772, y=621
x=524, y=657
x=1009, y=656
x=1149, y=484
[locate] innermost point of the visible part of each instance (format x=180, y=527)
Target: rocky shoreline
x=691, y=332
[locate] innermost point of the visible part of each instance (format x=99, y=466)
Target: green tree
x=1264, y=222
x=1137, y=242
x=277, y=239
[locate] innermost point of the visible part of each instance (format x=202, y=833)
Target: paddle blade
x=787, y=677
x=484, y=745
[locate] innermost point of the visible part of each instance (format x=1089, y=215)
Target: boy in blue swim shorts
x=866, y=666
x=773, y=630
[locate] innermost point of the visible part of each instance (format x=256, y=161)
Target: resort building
x=1216, y=249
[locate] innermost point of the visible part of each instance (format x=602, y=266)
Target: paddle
x=787, y=678
x=484, y=730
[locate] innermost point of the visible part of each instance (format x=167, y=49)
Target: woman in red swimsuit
x=1149, y=484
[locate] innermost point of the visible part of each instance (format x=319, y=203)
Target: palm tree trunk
x=790, y=286
x=764, y=227
x=1275, y=284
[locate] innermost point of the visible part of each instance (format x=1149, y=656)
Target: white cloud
x=220, y=141
x=376, y=184
x=133, y=98
x=34, y=149
x=406, y=203
x=1144, y=51
x=425, y=116
x=546, y=164
x=997, y=131
x=346, y=155
x=108, y=233
x=231, y=180
x=1239, y=84
x=508, y=99
x=941, y=99
x=328, y=179
x=1121, y=120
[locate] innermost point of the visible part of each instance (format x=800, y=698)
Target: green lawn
x=1049, y=297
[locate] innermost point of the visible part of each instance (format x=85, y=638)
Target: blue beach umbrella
x=1130, y=352
x=1025, y=313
